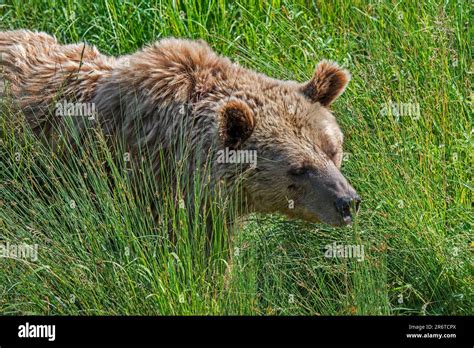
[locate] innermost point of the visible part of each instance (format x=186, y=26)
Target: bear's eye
x=300, y=171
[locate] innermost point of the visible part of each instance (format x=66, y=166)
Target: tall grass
x=103, y=251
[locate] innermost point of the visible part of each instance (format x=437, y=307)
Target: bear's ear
x=236, y=123
x=328, y=83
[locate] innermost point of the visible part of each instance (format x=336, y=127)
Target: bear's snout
x=346, y=206
x=331, y=198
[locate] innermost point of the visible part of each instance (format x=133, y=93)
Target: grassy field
x=407, y=120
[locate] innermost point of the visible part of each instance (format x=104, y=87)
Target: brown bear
x=282, y=132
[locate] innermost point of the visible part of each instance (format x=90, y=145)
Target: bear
x=291, y=141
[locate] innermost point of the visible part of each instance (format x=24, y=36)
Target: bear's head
x=282, y=133
x=297, y=142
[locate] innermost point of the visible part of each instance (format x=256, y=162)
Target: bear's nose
x=344, y=205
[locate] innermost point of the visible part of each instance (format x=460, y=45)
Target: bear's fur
x=181, y=86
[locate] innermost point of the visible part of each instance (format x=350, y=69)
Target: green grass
x=104, y=254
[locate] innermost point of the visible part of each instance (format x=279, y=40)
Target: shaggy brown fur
x=180, y=86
